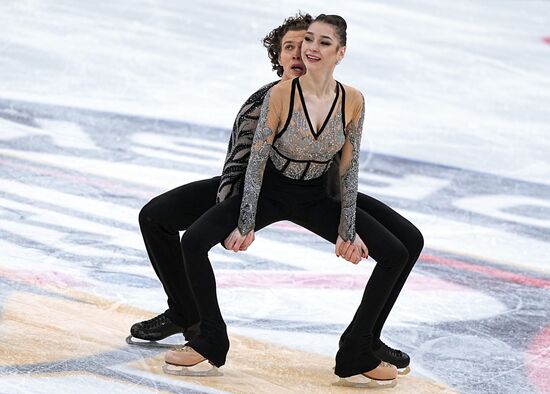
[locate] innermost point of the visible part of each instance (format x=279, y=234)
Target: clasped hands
x=350, y=251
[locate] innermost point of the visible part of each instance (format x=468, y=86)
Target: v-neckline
x=317, y=134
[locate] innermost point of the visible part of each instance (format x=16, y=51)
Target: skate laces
x=393, y=352
x=155, y=322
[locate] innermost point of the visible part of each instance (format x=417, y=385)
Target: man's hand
x=237, y=242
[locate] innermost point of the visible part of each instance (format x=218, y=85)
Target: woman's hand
x=237, y=242
x=352, y=251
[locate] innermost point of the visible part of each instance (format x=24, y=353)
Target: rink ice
x=102, y=108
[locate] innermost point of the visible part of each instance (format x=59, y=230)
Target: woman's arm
x=261, y=145
x=349, y=171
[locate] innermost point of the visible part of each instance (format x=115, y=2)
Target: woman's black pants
x=392, y=241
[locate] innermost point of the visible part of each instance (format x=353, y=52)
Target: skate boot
x=396, y=357
x=357, y=366
x=383, y=376
x=185, y=361
x=150, y=331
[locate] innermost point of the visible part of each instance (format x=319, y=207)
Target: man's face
x=290, y=57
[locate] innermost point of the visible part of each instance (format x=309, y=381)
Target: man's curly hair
x=272, y=41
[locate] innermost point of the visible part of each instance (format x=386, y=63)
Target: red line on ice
x=41, y=278
x=538, y=360
x=546, y=40
x=277, y=279
x=494, y=272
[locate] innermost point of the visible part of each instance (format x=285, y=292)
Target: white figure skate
x=185, y=361
x=383, y=376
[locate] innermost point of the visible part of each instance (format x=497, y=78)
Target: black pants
x=307, y=204
x=160, y=220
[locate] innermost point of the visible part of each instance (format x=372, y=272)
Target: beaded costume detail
x=299, y=152
x=255, y=171
x=238, y=150
x=298, y=141
x=349, y=181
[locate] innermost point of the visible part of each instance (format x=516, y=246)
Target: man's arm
x=240, y=142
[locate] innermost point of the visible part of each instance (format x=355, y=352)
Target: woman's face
x=321, y=47
x=290, y=58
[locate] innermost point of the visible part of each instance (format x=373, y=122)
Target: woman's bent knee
x=192, y=243
x=401, y=255
x=417, y=242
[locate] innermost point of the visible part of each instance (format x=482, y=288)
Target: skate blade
x=200, y=369
x=404, y=371
x=361, y=381
x=130, y=340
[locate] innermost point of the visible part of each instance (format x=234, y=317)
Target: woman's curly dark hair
x=273, y=40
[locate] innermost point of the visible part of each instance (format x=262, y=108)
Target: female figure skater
x=164, y=216
x=303, y=124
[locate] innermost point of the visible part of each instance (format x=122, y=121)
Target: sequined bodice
x=298, y=151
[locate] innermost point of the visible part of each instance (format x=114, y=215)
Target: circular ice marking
x=478, y=360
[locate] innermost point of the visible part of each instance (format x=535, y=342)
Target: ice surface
x=104, y=105
x=465, y=84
